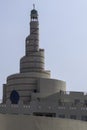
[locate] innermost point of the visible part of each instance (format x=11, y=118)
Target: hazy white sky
x=63, y=35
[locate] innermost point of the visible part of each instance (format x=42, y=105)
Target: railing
x=73, y=92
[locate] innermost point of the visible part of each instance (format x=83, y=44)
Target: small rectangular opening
x=44, y=114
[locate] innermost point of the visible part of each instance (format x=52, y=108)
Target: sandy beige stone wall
x=24, y=122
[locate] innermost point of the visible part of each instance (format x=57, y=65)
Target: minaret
x=31, y=67
x=33, y=61
x=33, y=81
x=32, y=41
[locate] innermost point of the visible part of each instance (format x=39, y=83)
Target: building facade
x=32, y=91
x=32, y=73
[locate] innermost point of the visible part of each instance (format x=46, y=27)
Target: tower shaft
x=32, y=41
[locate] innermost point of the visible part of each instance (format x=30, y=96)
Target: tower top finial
x=33, y=6
x=34, y=13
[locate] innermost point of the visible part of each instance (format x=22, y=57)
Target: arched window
x=14, y=97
